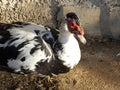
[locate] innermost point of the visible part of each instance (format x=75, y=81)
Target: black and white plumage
x=22, y=51
x=27, y=47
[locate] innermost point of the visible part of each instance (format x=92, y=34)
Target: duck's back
x=22, y=51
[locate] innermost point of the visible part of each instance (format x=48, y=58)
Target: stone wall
x=98, y=17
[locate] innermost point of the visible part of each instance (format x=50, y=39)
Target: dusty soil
x=99, y=69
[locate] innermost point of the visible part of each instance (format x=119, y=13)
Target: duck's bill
x=82, y=39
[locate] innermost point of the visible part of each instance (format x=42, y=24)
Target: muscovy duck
x=66, y=48
x=27, y=47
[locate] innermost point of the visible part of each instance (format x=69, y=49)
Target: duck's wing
x=49, y=34
x=55, y=32
x=4, y=26
x=22, y=51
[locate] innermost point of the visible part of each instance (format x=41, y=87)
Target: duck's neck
x=64, y=32
x=63, y=26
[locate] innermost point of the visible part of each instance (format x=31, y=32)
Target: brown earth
x=99, y=69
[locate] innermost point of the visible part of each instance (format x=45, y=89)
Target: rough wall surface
x=98, y=17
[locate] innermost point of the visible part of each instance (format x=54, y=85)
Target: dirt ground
x=99, y=69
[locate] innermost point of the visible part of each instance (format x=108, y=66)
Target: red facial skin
x=74, y=27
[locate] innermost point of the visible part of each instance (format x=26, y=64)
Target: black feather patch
x=35, y=48
x=4, y=26
x=8, y=53
x=54, y=32
x=21, y=23
x=57, y=47
x=5, y=36
x=37, y=31
x=23, y=59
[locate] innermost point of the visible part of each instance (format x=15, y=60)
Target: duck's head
x=73, y=25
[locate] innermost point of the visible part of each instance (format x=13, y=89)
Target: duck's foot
x=55, y=75
x=48, y=79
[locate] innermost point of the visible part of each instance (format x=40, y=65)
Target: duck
x=28, y=47
x=67, y=47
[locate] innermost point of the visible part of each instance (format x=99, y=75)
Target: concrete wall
x=98, y=17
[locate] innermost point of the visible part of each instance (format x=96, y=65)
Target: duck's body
x=27, y=47
x=23, y=51
x=67, y=49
